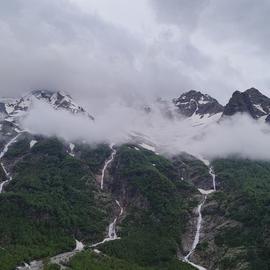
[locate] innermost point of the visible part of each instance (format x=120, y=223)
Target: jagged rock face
x=194, y=102
x=251, y=101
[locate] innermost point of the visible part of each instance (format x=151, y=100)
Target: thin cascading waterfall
x=112, y=230
x=4, y=151
x=212, y=173
x=112, y=235
x=198, y=228
x=107, y=163
x=121, y=208
x=200, y=219
x=197, y=236
x=7, y=176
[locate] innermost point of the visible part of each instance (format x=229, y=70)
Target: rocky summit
x=252, y=102
x=196, y=103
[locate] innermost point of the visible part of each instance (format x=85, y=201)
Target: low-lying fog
x=239, y=135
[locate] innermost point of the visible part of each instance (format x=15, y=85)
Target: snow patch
x=32, y=143
x=148, y=147
x=259, y=108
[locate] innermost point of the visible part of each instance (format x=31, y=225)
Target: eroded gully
x=196, y=240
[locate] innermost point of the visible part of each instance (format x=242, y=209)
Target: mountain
x=252, y=102
x=14, y=110
x=105, y=207
x=200, y=108
x=194, y=102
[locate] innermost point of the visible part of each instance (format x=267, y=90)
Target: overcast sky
x=106, y=49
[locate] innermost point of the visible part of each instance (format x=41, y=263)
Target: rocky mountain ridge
x=13, y=110
x=194, y=104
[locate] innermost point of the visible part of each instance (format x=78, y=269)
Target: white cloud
x=240, y=135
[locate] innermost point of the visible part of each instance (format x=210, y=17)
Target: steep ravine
x=188, y=258
x=112, y=235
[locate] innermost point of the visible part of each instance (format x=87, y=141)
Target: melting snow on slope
x=32, y=143
x=259, y=108
x=4, y=151
x=148, y=147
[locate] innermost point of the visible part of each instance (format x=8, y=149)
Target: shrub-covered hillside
x=52, y=200
x=245, y=199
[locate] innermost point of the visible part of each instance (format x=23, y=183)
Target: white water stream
x=107, y=163
x=4, y=151
x=58, y=259
x=112, y=235
x=211, y=172
x=112, y=227
x=199, y=219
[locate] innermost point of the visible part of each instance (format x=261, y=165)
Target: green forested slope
x=156, y=205
x=245, y=198
x=52, y=199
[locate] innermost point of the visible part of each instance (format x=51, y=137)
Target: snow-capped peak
x=17, y=108
x=200, y=108
x=60, y=100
